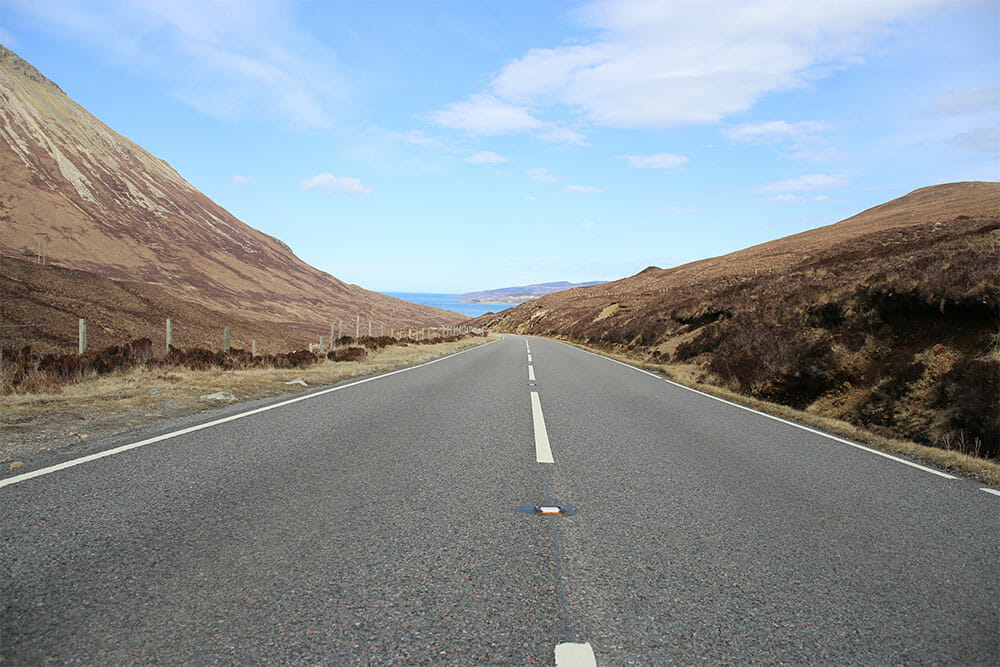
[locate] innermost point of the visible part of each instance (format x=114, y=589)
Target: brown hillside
x=106, y=206
x=41, y=307
x=888, y=319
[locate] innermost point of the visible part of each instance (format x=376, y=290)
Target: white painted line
x=543, y=453
x=575, y=655
x=529, y=357
x=779, y=419
x=167, y=436
x=531, y=373
x=993, y=491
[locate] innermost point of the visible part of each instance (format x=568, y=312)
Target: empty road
x=378, y=523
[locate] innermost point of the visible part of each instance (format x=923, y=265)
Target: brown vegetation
x=26, y=371
x=888, y=320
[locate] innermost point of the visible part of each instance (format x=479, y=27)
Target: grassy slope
x=888, y=320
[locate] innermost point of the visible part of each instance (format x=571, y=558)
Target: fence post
x=253, y=348
x=333, y=338
x=225, y=339
x=369, y=328
x=170, y=334
x=321, y=348
x=83, y=337
x=357, y=328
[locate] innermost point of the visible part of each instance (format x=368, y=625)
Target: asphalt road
x=377, y=524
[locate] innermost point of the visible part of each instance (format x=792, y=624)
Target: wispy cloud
x=983, y=139
x=796, y=199
x=662, y=161
x=337, y=185
x=806, y=182
x=661, y=64
x=486, y=157
x=540, y=174
x=243, y=180
x=588, y=224
x=484, y=114
x=804, y=140
x=582, y=190
x=680, y=210
x=240, y=58
x=961, y=102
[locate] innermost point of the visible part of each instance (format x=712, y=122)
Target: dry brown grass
x=691, y=375
x=107, y=404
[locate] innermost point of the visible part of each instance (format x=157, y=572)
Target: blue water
x=450, y=302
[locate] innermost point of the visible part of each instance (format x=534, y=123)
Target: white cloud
x=337, y=185
x=983, y=139
x=804, y=139
x=680, y=210
x=582, y=189
x=661, y=161
x=540, y=174
x=955, y=103
x=240, y=58
x=805, y=183
x=418, y=138
x=774, y=131
x=588, y=225
x=243, y=180
x=656, y=64
x=485, y=115
x=486, y=157
x=796, y=199
x=556, y=134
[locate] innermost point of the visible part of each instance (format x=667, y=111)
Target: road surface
x=378, y=522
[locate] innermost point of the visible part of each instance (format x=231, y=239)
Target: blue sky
x=458, y=146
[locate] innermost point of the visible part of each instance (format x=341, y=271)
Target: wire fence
x=339, y=334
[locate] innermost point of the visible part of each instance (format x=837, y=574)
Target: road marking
x=531, y=373
x=191, y=429
x=779, y=419
x=543, y=453
x=993, y=491
x=574, y=655
x=529, y=357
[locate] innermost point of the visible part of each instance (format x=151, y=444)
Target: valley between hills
x=887, y=321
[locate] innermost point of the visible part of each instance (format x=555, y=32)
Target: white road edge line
x=575, y=655
x=543, y=453
x=779, y=419
x=191, y=429
x=993, y=491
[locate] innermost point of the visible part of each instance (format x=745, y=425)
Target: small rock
x=153, y=392
x=298, y=381
x=17, y=465
x=219, y=396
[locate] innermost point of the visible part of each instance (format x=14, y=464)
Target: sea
x=451, y=302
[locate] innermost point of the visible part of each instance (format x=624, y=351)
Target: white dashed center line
x=543, y=453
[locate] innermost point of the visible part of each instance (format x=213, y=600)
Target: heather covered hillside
x=888, y=319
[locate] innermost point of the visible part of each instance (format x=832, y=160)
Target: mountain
x=888, y=319
x=507, y=295
x=102, y=204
